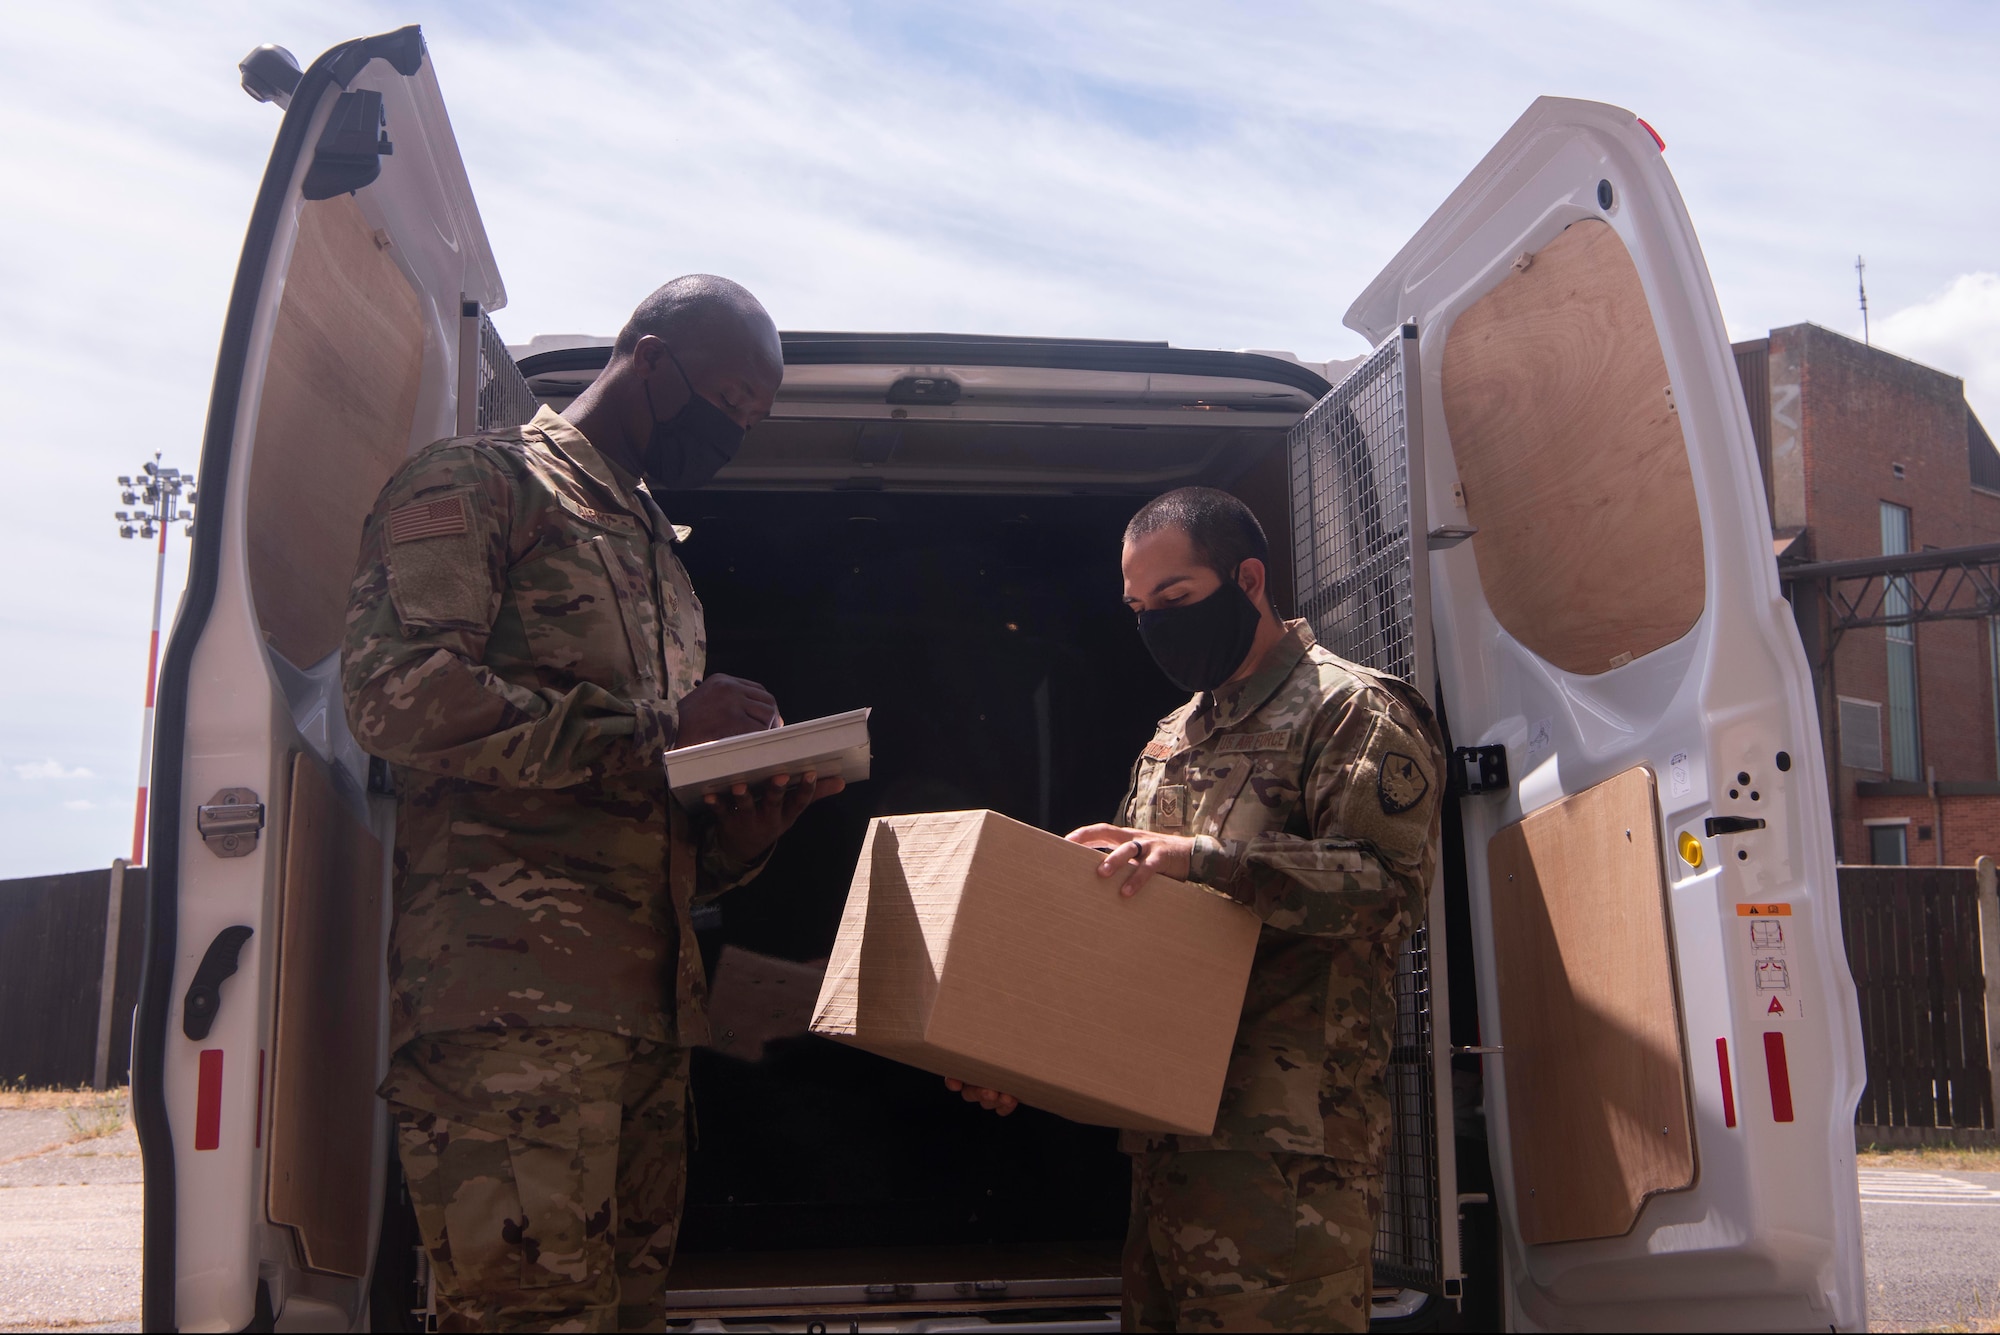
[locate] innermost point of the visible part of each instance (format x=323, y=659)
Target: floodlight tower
x=159, y=490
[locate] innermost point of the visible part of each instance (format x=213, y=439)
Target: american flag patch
x=427, y=519
x=1158, y=750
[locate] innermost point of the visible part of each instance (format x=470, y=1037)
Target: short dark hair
x=689, y=303
x=1220, y=528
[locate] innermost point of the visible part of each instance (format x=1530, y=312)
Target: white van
x=1628, y=1058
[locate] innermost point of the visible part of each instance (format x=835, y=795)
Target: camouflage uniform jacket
x=1311, y=789
x=518, y=636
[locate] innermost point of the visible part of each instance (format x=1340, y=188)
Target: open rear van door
x=355, y=334
x=1657, y=941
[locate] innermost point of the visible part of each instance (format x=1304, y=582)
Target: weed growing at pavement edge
x=1934, y=1158
x=102, y=1116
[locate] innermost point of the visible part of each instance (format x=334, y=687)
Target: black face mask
x=1199, y=645
x=690, y=447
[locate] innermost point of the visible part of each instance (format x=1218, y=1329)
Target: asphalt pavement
x=1932, y=1247
x=69, y=1224
x=69, y=1234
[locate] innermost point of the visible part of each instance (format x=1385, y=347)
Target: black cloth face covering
x=690, y=447
x=1199, y=645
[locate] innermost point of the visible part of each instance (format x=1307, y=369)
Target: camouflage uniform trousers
x=1237, y=1240
x=547, y=1167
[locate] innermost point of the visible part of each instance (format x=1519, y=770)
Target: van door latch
x=229, y=822
x=204, y=994
x=1478, y=769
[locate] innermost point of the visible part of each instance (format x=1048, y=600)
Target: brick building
x=1868, y=454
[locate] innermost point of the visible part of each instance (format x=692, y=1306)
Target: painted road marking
x=1890, y=1186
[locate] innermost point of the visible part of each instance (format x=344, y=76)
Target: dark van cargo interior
x=960, y=578
x=1003, y=670
x=987, y=634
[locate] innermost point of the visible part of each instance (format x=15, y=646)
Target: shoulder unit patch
x=1400, y=783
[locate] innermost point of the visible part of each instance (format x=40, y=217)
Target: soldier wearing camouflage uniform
x=1305, y=788
x=523, y=647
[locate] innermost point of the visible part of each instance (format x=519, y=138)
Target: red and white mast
x=159, y=489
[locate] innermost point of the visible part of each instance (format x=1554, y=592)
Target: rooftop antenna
x=1861, y=282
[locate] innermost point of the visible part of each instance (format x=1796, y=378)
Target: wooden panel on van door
x=1596, y=1071
x=1572, y=460
x=324, y=1113
x=339, y=401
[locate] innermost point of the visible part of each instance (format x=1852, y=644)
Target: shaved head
x=709, y=320
x=698, y=337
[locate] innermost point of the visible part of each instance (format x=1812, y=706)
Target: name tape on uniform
x=1277, y=739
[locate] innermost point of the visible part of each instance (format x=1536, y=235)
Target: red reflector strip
x=1655, y=133
x=1728, y=1088
x=208, y=1101
x=259, y=1141
x=1781, y=1077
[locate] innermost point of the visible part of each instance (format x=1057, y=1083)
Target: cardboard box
x=981, y=948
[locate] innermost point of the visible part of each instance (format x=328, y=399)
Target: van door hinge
x=1478, y=769
x=229, y=822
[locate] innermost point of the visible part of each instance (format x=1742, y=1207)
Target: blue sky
x=1222, y=176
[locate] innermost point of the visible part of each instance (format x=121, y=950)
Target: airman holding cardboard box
x=1306, y=788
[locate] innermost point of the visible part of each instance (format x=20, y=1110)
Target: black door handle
x=204, y=994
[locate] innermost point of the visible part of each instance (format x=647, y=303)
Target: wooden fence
x=1913, y=945
x=51, y=972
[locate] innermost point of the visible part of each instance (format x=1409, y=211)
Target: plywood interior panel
x=1570, y=453
x=339, y=402
x=324, y=1114
x=1597, y=1103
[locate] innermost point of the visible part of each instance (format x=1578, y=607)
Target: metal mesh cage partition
x=504, y=396
x=1354, y=542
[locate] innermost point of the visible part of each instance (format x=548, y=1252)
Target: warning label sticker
x=1763, y=910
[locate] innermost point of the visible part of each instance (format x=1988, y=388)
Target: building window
x=1889, y=845
x=1861, y=734
x=1993, y=657
x=1906, y=758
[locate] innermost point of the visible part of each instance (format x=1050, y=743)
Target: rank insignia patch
x=1400, y=783
x=1170, y=806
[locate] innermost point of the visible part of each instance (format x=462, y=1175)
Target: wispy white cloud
x=79, y=804
x=1223, y=176
x=38, y=770
x=1957, y=329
